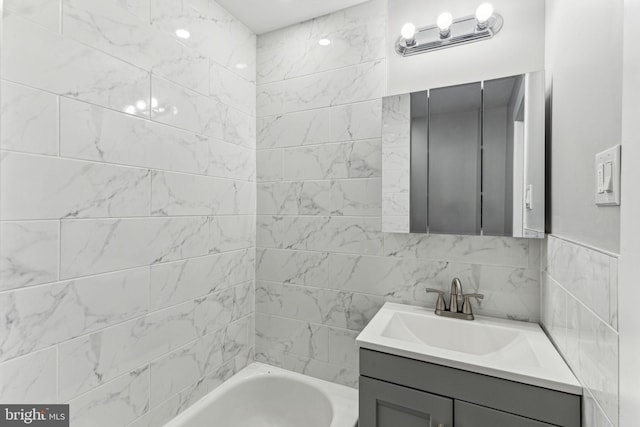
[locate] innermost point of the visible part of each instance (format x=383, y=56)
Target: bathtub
x=264, y=396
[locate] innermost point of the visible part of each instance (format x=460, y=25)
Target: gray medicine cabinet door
x=388, y=405
x=470, y=415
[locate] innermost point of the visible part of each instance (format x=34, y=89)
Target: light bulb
x=324, y=42
x=182, y=33
x=483, y=14
x=444, y=23
x=141, y=105
x=408, y=33
x=130, y=109
x=154, y=103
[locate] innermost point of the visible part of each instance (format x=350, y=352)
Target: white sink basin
x=506, y=349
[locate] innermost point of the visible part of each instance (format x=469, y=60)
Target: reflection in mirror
x=476, y=159
x=455, y=159
x=502, y=139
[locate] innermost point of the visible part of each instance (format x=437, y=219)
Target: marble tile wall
x=127, y=258
x=579, y=310
x=323, y=265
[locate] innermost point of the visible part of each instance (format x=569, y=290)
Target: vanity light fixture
x=182, y=33
x=324, y=42
x=449, y=31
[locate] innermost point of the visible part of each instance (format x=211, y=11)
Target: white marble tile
x=44, y=315
x=359, y=197
x=269, y=165
x=31, y=378
x=553, y=311
x=505, y=251
x=215, y=33
x=181, y=194
x=293, y=129
x=325, y=306
x=292, y=336
x=69, y=68
x=599, y=359
x=395, y=224
x=43, y=12
x=583, y=272
x=175, y=282
x=232, y=90
x=186, y=109
x=232, y=232
x=356, y=35
x=347, y=85
x=396, y=181
x=215, y=311
x=342, y=347
x=232, y=161
x=395, y=205
x=94, y=359
x=613, y=292
x=592, y=414
x=236, y=338
x=286, y=266
x=356, y=121
x=97, y=246
x=354, y=197
x=320, y=369
x=111, y=27
x=28, y=253
x=295, y=198
x=29, y=120
x=403, y=280
x=54, y=188
x=360, y=159
x=337, y=234
x=116, y=403
x=270, y=99
x=185, y=366
x=94, y=133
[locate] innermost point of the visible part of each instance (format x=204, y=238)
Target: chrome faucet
x=459, y=302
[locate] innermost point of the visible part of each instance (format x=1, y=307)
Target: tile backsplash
x=323, y=265
x=127, y=205
x=579, y=311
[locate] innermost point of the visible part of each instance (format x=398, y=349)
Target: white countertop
x=511, y=350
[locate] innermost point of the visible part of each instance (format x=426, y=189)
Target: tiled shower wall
x=580, y=311
x=323, y=266
x=128, y=205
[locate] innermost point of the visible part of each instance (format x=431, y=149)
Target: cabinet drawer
x=388, y=405
x=470, y=415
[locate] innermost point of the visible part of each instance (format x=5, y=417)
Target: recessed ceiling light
x=182, y=33
x=324, y=42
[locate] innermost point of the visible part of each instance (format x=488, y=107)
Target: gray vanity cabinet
x=388, y=405
x=401, y=392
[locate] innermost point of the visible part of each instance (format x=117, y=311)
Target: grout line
x=584, y=245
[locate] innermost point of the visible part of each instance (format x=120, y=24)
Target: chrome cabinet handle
x=440, y=304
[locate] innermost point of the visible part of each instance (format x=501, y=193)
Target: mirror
x=466, y=159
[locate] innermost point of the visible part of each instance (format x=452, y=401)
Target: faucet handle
x=466, y=305
x=440, y=305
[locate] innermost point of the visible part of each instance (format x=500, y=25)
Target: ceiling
x=263, y=16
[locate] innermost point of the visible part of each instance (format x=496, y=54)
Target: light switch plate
x=607, y=177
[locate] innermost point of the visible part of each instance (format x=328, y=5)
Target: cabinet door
x=388, y=405
x=470, y=415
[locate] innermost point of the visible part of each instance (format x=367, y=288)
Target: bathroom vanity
x=418, y=370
